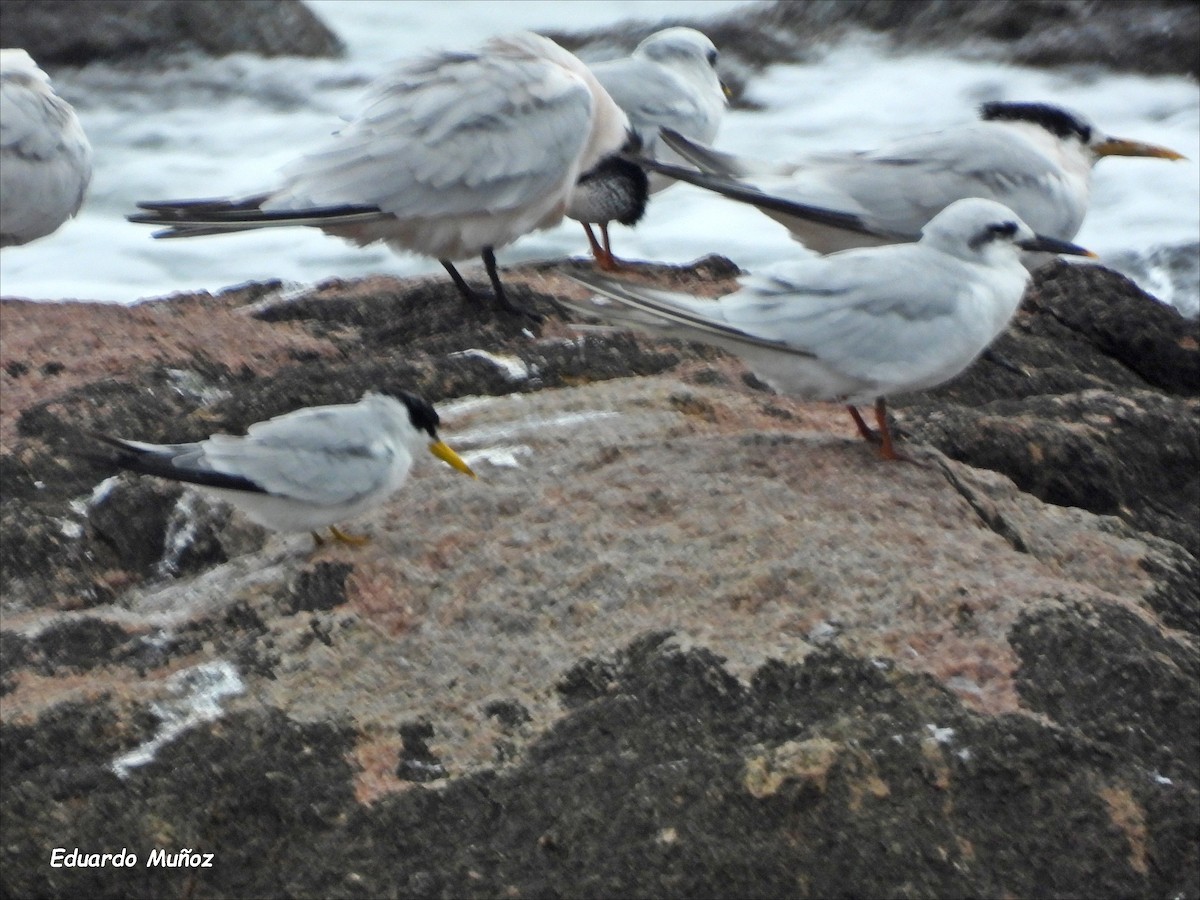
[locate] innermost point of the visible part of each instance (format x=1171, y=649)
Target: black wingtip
x=743, y=194
x=151, y=462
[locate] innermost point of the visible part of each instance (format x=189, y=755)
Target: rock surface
x=684, y=637
x=1154, y=37
x=64, y=32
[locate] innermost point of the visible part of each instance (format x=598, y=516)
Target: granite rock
x=683, y=637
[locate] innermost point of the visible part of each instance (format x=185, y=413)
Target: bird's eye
x=712, y=58
x=1007, y=229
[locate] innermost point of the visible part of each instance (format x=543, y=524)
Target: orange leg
x=886, y=449
x=882, y=437
x=866, y=433
x=602, y=253
x=613, y=264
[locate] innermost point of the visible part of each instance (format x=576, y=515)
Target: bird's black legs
x=489, y=263
x=463, y=288
x=473, y=296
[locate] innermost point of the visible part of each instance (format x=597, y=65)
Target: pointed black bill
x=1044, y=244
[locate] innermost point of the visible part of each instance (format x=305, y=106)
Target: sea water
x=224, y=127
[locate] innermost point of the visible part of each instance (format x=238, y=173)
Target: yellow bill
x=1121, y=147
x=450, y=458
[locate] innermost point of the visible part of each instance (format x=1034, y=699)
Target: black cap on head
x=420, y=412
x=1054, y=119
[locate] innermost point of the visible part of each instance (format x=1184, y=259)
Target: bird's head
x=1072, y=129
x=980, y=230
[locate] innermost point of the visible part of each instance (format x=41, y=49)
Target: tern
x=308, y=469
x=669, y=81
x=452, y=156
x=45, y=158
x=1034, y=158
x=859, y=325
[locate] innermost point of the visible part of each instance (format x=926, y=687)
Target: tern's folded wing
x=452, y=134
x=907, y=183
x=338, y=473
x=886, y=314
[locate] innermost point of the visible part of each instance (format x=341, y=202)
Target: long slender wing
x=160, y=460
x=826, y=215
x=329, y=454
x=324, y=455
x=906, y=183
x=195, y=218
x=901, y=186
x=449, y=134
x=717, y=162
x=882, y=314
x=663, y=311
x=867, y=314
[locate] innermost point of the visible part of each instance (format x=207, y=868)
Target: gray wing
x=872, y=316
x=900, y=187
x=654, y=98
x=325, y=455
x=450, y=134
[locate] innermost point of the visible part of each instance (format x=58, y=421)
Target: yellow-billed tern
x=305, y=470
x=1034, y=158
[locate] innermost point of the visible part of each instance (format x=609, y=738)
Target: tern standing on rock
x=1034, y=158
x=669, y=81
x=45, y=158
x=452, y=156
x=305, y=470
x=860, y=325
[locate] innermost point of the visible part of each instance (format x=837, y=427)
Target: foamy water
x=224, y=127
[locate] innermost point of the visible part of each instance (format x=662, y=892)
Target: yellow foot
x=354, y=540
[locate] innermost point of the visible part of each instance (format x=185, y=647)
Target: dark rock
x=417, y=762
x=318, y=588
x=1155, y=37
x=1116, y=678
x=1176, y=597
x=236, y=790
x=509, y=713
x=203, y=533
x=1102, y=366
x=132, y=519
x=832, y=775
x=58, y=32
x=1086, y=449
x=1122, y=322
x=79, y=645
